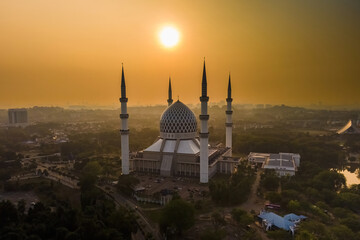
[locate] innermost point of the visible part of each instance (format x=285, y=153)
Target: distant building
x=18, y=117
x=283, y=163
x=351, y=127
x=258, y=157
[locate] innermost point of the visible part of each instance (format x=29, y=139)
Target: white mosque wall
x=188, y=147
x=169, y=146
x=155, y=147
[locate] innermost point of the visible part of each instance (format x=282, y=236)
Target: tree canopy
x=177, y=216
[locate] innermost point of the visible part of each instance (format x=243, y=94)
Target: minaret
x=124, y=131
x=170, y=100
x=204, y=133
x=228, y=123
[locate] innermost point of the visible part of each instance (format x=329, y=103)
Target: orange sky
x=278, y=52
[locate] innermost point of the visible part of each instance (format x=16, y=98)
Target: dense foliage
x=177, y=216
x=332, y=208
x=98, y=217
x=234, y=189
x=102, y=221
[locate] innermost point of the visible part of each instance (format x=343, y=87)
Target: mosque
x=180, y=150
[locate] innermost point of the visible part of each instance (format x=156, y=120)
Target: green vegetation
x=59, y=216
x=241, y=217
x=177, y=216
x=94, y=142
x=321, y=195
x=235, y=189
x=90, y=194
x=40, y=222
x=269, y=180
x=49, y=192
x=126, y=183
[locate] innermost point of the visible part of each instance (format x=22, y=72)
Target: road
x=124, y=202
x=255, y=203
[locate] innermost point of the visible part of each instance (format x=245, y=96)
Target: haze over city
x=278, y=52
x=170, y=120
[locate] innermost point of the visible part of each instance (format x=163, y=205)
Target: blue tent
x=273, y=219
x=293, y=217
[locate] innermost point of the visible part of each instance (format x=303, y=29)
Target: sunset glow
x=277, y=52
x=169, y=37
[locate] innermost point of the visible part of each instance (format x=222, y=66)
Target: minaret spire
x=229, y=87
x=204, y=82
x=124, y=131
x=229, y=112
x=170, y=100
x=204, y=133
x=123, y=86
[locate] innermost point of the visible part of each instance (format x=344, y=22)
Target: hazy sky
x=70, y=52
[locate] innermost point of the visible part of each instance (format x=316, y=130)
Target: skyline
x=292, y=53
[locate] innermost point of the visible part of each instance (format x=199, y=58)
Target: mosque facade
x=180, y=150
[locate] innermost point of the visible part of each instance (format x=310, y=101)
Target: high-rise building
x=18, y=116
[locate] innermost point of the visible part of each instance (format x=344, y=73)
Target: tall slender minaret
x=170, y=100
x=124, y=131
x=228, y=123
x=204, y=133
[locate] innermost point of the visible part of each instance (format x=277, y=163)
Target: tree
x=293, y=205
x=316, y=229
x=331, y=180
x=273, y=197
x=241, y=216
x=176, y=217
x=304, y=235
x=352, y=222
x=126, y=183
x=342, y=232
x=279, y=235
x=21, y=207
x=269, y=180
x=8, y=213
x=89, y=193
x=349, y=200
x=89, y=175
x=124, y=221
x=234, y=190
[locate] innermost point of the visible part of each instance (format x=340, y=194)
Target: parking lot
x=187, y=188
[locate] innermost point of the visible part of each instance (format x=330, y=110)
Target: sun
x=169, y=36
